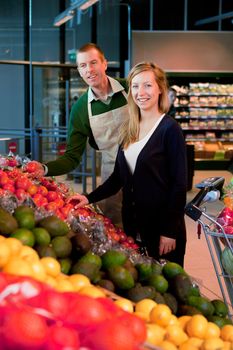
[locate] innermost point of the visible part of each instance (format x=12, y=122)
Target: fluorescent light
x=69, y=13
x=87, y=4
x=63, y=18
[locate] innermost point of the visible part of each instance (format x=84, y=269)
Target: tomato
x=22, y=182
x=43, y=201
x=32, y=189
x=51, y=196
x=62, y=337
x=20, y=193
x=66, y=209
x=86, y=311
x=130, y=240
x=136, y=325
x=9, y=187
x=59, y=202
x=32, y=167
x=42, y=190
x=3, y=179
x=51, y=206
x=109, y=336
x=57, y=304
x=12, y=162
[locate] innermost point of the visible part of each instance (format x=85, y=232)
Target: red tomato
x=3, y=179
x=9, y=187
x=32, y=167
x=56, y=303
x=109, y=336
x=20, y=193
x=43, y=201
x=42, y=190
x=136, y=325
x=62, y=337
x=86, y=311
x=24, y=329
x=59, y=202
x=22, y=182
x=51, y=196
x=51, y=206
x=12, y=162
x=66, y=209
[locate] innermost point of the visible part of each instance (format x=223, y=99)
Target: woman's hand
x=78, y=200
x=166, y=245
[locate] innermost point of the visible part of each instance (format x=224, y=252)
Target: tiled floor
x=198, y=262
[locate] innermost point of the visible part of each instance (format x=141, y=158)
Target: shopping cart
x=215, y=235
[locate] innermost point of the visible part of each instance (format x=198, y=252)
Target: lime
x=25, y=236
x=202, y=304
x=65, y=265
x=42, y=236
x=62, y=246
x=113, y=258
x=220, y=308
x=171, y=269
x=144, y=271
x=159, y=282
x=26, y=221
x=22, y=210
x=219, y=321
x=92, y=258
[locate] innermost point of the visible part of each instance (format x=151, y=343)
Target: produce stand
x=216, y=237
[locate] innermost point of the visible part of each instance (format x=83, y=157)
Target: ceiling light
x=63, y=18
x=87, y=4
x=69, y=13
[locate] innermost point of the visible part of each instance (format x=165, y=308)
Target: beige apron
x=105, y=128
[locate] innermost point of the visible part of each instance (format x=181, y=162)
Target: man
x=96, y=117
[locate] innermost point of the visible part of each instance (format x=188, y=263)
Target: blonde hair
x=130, y=129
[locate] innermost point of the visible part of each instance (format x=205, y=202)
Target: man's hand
x=166, y=245
x=78, y=200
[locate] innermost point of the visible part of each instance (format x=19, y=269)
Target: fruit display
x=19, y=185
x=70, y=274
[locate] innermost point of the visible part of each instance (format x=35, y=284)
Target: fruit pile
x=36, y=317
x=17, y=181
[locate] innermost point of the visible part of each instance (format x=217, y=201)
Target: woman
x=150, y=168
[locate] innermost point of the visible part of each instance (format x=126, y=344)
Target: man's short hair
x=90, y=46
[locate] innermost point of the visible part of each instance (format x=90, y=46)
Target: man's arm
x=78, y=132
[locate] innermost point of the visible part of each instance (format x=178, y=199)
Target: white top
x=133, y=150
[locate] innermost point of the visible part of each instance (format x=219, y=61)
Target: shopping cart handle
x=211, y=183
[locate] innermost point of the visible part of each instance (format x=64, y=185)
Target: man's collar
x=115, y=87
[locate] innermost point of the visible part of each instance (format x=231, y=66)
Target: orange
x=78, y=281
x=161, y=315
x=64, y=285
x=92, y=291
x=145, y=306
x=51, y=265
x=19, y=267
x=175, y=335
x=186, y=346
x=227, y=345
x=212, y=344
x=2, y=238
x=142, y=315
x=51, y=281
x=227, y=332
x=155, y=334
x=28, y=254
x=197, y=326
x=167, y=345
x=125, y=304
x=5, y=253
x=183, y=320
x=14, y=244
x=38, y=270
x=194, y=342
x=174, y=321
x=213, y=331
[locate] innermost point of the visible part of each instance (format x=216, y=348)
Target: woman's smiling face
x=145, y=90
